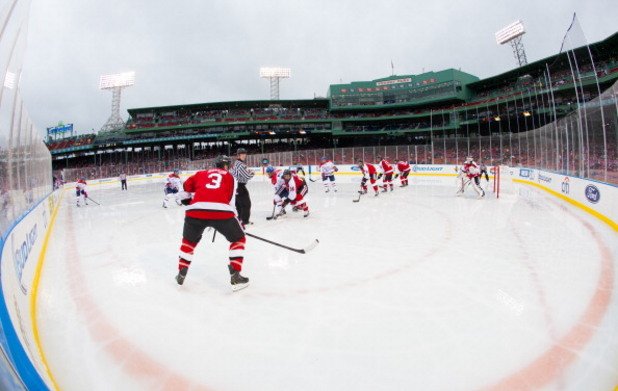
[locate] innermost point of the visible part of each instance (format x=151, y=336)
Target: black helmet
x=241, y=151
x=287, y=172
x=221, y=161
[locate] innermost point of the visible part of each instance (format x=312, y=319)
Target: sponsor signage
x=544, y=178
x=565, y=187
x=396, y=81
x=592, y=194
x=524, y=173
x=417, y=168
x=68, y=128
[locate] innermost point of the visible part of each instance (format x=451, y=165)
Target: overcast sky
x=195, y=51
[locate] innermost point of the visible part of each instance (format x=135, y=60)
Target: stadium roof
x=602, y=49
x=248, y=104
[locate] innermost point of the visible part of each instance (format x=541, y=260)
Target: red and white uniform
x=173, y=181
x=404, y=170
x=471, y=174
x=81, y=191
x=369, y=174
x=173, y=184
x=471, y=169
x=214, y=193
x=296, y=189
x=387, y=170
x=328, y=169
x=213, y=198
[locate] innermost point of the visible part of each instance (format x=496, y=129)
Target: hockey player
x=369, y=174
x=296, y=189
x=328, y=170
x=173, y=184
x=483, y=170
x=209, y=196
x=470, y=175
x=387, y=171
x=81, y=192
x=404, y=170
x=281, y=190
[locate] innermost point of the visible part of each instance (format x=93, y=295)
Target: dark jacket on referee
x=241, y=172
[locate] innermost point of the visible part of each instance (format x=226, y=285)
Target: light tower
x=115, y=83
x=273, y=75
x=513, y=33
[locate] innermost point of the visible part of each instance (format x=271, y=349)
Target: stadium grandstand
x=434, y=117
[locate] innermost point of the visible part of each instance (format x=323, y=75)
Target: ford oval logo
x=593, y=194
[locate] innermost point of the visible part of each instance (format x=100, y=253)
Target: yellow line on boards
x=613, y=225
x=35, y=287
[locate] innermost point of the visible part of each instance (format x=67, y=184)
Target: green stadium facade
x=400, y=109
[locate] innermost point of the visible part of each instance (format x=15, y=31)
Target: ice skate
x=306, y=213
x=182, y=273
x=238, y=282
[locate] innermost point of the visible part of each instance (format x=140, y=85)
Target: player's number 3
x=215, y=181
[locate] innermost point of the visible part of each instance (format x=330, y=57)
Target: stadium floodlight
x=125, y=79
x=273, y=74
x=115, y=83
x=512, y=34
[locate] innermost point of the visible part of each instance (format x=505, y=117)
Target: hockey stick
x=359, y=197
x=272, y=216
x=305, y=250
x=463, y=186
x=93, y=201
x=311, y=179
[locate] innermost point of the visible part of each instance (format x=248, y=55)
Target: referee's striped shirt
x=241, y=172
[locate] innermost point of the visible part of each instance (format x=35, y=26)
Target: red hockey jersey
x=387, y=168
x=368, y=170
x=403, y=166
x=214, y=195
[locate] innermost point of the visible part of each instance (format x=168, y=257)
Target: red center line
x=553, y=362
x=134, y=361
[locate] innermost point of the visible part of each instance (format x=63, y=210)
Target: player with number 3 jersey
x=210, y=199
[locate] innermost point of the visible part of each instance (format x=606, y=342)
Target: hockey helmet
x=222, y=161
x=270, y=169
x=469, y=159
x=287, y=173
x=323, y=158
x=241, y=151
x=176, y=171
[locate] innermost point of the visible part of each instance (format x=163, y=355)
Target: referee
x=243, y=174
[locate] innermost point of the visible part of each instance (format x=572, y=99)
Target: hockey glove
x=379, y=175
x=186, y=201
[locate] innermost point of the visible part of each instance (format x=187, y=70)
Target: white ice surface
x=413, y=290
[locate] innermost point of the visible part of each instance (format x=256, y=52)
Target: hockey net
x=501, y=181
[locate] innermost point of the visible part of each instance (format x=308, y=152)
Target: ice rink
x=413, y=290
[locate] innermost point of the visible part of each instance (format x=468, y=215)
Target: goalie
x=469, y=174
